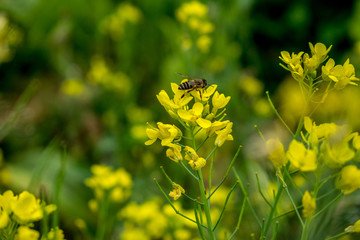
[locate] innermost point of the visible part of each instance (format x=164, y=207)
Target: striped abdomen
x=186, y=85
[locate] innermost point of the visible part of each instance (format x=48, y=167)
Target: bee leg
x=185, y=93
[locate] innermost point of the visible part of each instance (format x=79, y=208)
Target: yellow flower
x=4, y=219
x=174, y=153
x=354, y=228
x=177, y=191
x=319, y=51
x=72, y=87
x=195, y=161
x=276, y=152
x=356, y=141
x=251, y=86
x=26, y=208
x=300, y=157
x=309, y=205
x=55, y=234
x=116, y=182
x=216, y=126
x=203, y=43
x=321, y=132
x=219, y=101
x=349, y=179
x=26, y=233
x=194, y=116
x=205, y=93
x=224, y=135
x=337, y=154
x=342, y=75
x=5, y=201
x=165, y=132
x=193, y=8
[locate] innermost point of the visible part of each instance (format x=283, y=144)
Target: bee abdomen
x=184, y=86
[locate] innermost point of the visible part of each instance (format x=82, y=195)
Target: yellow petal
x=203, y=123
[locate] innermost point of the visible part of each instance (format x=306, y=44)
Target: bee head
x=205, y=82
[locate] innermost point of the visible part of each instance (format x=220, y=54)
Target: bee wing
x=185, y=76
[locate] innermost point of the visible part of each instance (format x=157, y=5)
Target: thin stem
x=337, y=236
x=328, y=205
x=242, y=210
x=210, y=172
x=259, y=188
x=189, y=171
x=198, y=222
x=226, y=201
x=228, y=170
x=172, y=205
x=277, y=113
x=172, y=182
x=247, y=198
x=206, y=202
x=295, y=207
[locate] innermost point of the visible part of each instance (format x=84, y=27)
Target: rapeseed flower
x=276, y=152
x=177, y=191
x=354, y=228
x=195, y=161
x=194, y=116
x=309, y=205
x=300, y=157
x=26, y=208
x=165, y=132
x=348, y=180
x=117, y=183
x=26, y=233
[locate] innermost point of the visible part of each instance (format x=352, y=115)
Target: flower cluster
x=10, y=37
x=310, y=71
x=327, y=145
x=24, y=210
x=199, y=111
x=116, y=23
x=101, y=75
x=153, y=220
x=194, y=17
x=106, y=182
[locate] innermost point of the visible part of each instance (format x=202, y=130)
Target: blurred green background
x=83, y=76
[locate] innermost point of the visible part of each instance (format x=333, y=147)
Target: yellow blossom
x=195, y=161
x=193, y=8
x=177, y=191
x=203, y=43
x=115, y=182
x=342, y=75
x=251, y=86
x=319, y=51
x=219, y=101
x=354, y=228
x=349, y=179
x=216, y=126
x=26, y=208
x=26, y=233
x=276, y=152
x=55, y=234
x=194, y=116
x=309, y=205
x=300, y=157
x=167, y=133
x=4, y=219
x=321, y=132
x=72, y=87
x=174, y=153
x=224, y=135
x=337, y=154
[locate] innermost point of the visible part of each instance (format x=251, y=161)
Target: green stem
x=206, y=202
x=277, y=113
x=305, y=231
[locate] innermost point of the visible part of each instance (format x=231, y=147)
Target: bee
x=192, y=84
